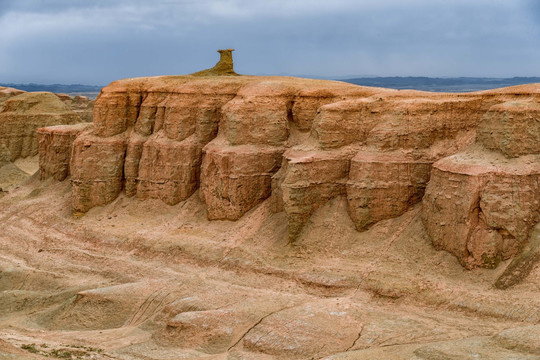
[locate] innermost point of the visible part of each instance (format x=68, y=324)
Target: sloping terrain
x=142, y=281
x=21, y=114
x=278, y=218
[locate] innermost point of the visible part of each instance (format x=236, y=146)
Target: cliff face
x=23, y=114
x=240, y=140
x=55, y=147
x=481, y=204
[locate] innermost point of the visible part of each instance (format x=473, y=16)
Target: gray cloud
x=96, y=42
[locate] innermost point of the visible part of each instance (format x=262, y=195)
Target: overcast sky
x=98, y=41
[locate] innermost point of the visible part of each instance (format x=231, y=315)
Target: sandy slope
x=139, y=280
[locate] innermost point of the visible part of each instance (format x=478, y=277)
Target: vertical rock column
x=55, y=149
x=96, y=170
x=309, y=180
x=390, y=175
x=313, y=175
x=481, y=204
x=170, y=161
x=238, y=166
x=384, y=185
x=22, y=115
x=97, y=162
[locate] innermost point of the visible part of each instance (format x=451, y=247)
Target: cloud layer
x=95, y=42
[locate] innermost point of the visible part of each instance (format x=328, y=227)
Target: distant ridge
x=458, y=84
x=55, y=88
x=446, y=84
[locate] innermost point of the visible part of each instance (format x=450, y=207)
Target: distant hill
x=91, y=91
x=56, y=88
x=460, y=84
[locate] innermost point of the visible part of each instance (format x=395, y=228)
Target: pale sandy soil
x=143, y=280
x=13, y=174
x=28, y=164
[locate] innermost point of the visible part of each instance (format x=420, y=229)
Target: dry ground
x=143, y=280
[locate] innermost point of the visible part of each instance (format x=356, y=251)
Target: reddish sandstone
x=241, y=139
x=55, y=148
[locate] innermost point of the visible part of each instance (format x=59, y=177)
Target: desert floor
x=143, y=280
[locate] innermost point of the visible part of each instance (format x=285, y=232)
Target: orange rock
x=168, y=170
x=309, y=180
x=96, y=170
x=236, y=178
x=384, y=185
x=481, y=207
x=55, y=148
x=243, y=139
x=7, y=92
x=82, y=105
x=23, y=114
x=513, y=128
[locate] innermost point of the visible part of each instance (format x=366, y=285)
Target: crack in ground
x=355, y=340
x=254, y=325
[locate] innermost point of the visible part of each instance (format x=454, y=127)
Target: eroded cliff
x=239, y=140
x=21, y=115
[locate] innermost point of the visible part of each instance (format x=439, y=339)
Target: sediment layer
x=240, y=140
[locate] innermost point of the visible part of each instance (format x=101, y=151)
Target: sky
x=98, y=41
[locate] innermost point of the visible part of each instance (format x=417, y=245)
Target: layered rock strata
x=96, y=169
x=55, y=148
x=224, y=135
x=23, y=114
x=481, y=204
x=240, y=140
x=384, y=185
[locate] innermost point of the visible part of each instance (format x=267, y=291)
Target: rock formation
x=55, y=144
x=82, y=105
x=481, y=204
x=6, y=93
x=240, y=140
x=223, y=67
x=23, y=114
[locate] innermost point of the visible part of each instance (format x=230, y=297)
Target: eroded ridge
x=299, y=142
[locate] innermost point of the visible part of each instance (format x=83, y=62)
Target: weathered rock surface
x=7, y=92
x=82, y=105
x=23, y=114
x=140, y=279
x=481, y=204
x=5, y=155
x=242, y=139
x=482, y=207
x=168, y=169
x=96, y=168
x=512, y=128
x=308, y=180
x=384, y=185
x=236, y=178
x=55, y=148
x=224, y=66
x=293, y=330
x=233, y=129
